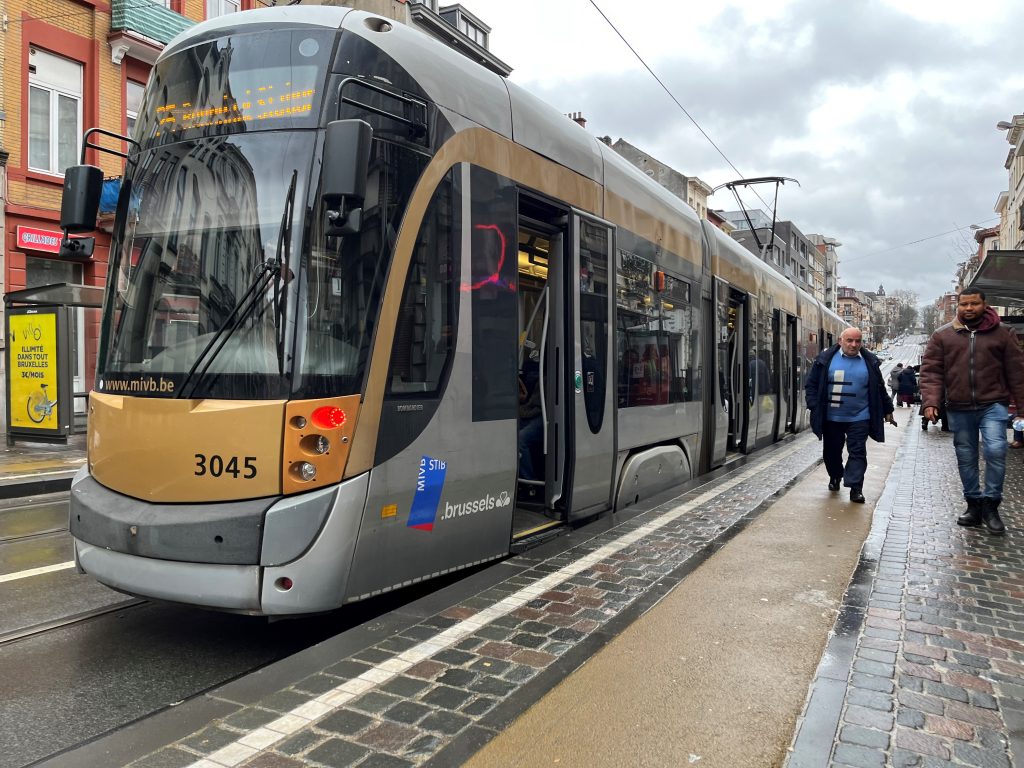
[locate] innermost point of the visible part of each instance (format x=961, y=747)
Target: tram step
x=536, y=539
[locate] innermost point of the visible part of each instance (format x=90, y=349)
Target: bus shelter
x=1001, y=277
x=40, y=402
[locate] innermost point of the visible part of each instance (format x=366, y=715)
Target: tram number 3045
x=215, y=465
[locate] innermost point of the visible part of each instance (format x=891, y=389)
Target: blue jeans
x=854, y=435
x=990, y=421
x=531, y=434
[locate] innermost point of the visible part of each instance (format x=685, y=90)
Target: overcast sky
x=883, y=110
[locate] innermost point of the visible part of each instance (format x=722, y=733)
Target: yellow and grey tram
x=375, y=314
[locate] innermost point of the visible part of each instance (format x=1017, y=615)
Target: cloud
x=884, y=113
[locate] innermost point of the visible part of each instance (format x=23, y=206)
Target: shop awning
x=1001, y=277
x=59, y=294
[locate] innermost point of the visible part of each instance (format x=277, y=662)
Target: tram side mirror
x=345, y=167
x=80, y=202
x=76, y=247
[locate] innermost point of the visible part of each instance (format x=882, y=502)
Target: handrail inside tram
x=540, y=381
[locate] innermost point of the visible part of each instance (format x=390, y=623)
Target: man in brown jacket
x=978, y=363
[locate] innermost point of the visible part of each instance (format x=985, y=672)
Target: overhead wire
x=150, y=3
x=730, y=163
x=674, y=99
x=958, y=230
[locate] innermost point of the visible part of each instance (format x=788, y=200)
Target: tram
x=344, y=260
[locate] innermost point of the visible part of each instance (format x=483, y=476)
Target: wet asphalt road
x=62, y=685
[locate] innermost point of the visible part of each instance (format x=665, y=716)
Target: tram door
x=734, y=369
x=565, y=350
x=591, y=454
x=779, y=376
x=717, y=427
x=788, y=396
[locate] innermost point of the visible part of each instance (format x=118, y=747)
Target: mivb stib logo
x=429, y=484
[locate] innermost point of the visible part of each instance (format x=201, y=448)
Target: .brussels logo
x=482, y=504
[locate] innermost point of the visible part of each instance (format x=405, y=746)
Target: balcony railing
x=142, y=28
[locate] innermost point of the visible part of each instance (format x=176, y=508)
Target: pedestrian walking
x=894, y=379
x=977, y=362
x=907, y=386
x=848, y=401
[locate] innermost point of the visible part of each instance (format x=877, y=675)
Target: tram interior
x=530, y=515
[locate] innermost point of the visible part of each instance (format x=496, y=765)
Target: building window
x=473, y=32
x=55, y=111
x=132, y=102
x=215, y=8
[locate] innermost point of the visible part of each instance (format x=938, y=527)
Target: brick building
x=69, y=66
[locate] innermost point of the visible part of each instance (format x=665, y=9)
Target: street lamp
x=1002, y=125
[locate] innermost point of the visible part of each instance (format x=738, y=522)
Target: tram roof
x=1001, y=277
x=456, y=83
x=316, y=15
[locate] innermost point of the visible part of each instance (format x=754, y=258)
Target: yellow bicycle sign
x=32, y=349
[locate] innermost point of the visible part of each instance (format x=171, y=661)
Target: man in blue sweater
x=848, y=400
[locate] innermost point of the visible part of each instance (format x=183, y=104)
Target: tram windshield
x=204, y=275
x=223, y=282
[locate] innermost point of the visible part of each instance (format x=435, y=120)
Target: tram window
x=594, y=319
x=658, y=342
x=679, y=335
x=762, y=364
x=491, y=286
x=345, y=277
x=424, y=336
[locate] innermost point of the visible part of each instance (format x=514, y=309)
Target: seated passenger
x=531, y=428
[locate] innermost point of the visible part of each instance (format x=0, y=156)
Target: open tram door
x=732, y=330
x=789, y=394
x=566, y=453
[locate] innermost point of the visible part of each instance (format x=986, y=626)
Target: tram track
x=32, y=519
x=52, y=625
x=11, y=538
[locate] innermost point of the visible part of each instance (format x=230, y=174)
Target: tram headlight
x=304, y=470
x=318, y=444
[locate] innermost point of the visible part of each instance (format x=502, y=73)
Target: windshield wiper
x=239, y=313
x=268, y=271
x=284, y=243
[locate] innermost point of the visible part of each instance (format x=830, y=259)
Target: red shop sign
x=33, y=239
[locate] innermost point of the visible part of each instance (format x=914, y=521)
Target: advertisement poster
x=32, y=345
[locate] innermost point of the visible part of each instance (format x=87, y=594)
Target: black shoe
x=990, y=516
x=924, y=424
x=856, y=496
x=972, y=517
x=834, y=483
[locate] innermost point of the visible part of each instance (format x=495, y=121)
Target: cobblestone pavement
x=437, y=691
x=926, y=664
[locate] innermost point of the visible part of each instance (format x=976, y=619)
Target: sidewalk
x=924, y=665
x=28, y=468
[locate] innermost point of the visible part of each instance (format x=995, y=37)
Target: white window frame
x=55, y=87
x=215, y=8
x=131, y=116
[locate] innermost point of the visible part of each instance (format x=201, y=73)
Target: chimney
x=578, y=118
